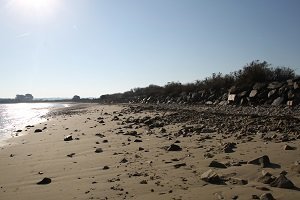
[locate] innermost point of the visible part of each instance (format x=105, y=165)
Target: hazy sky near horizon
x=59, y=48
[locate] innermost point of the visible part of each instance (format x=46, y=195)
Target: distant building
x=24, y=98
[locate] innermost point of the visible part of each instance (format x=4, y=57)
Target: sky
x=62, y=48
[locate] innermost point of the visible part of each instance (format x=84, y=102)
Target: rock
x=100, y=135
x=228, y=147
x=71, y=155
x=237, y=181
x=143, y=182
x=45, y=181
x=274, y=85
x=131, y=133
x=124, y=160
x=271, y=93
x=68, y=138
x=282, y=182
x=141, y=149
x=138, y=140
x=180, y=165
x=253, y=93
x=174, y=147
x=264, y=161
x=38, y=130
x=278, y=101
x=211, y=177
x=105, y=167
x=217, y=164
x=266, y=196
x=99, y=150
x=266, y=178
x=288, y=147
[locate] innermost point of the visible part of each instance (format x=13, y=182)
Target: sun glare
x=36, y=8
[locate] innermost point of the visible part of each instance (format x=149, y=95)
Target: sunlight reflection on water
x=16, y=116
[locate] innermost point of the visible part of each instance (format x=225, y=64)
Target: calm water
x=16, y=116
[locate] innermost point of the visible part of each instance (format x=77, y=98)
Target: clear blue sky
x=59, y=48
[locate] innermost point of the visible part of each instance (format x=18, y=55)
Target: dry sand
x=134, y=166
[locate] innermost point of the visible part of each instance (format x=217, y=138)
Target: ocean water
x=16, y=116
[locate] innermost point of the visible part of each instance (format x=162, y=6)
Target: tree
x=76, y=98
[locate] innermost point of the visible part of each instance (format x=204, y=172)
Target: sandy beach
x=149, y=152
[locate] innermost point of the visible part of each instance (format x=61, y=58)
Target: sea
x=16, y=116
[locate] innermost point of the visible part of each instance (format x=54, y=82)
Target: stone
x=105, y=167
x=282, y=182
x=124, y=160
x=271, y=93
x=274, y=85
x=174, y=147
x=180, y=165
x=264, y=161
x=288, y=147
x=217, y=164
x=266, y=196
x=99, y=150
x=38, y=130
x=253, y=93
x=45, y=181
x=138, y=140
x=211, y=177
x=237, y=181
x=71, y=155
x=266, y=178
x=228, y=147
x=278, y=101
x=144, y=182
x=68, y=138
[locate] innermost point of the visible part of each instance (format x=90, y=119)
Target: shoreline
x=21, y=130
x=121, y=152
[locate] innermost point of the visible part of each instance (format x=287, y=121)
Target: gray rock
x=68, y=138
x=99, y=150
x=264, y=161
x=174, y=147
x=288, y=147
x=266, y=196
x=271, y=93
x=217, y=164
x=278, y=101
x=282, y=182
x=45, y=181
x=237, y=181
x=38, y=130
x=253, y=93
x=211, y=177
x=266, y=178
x=274, y=85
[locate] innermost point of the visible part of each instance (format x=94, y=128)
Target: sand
x=133, y=165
